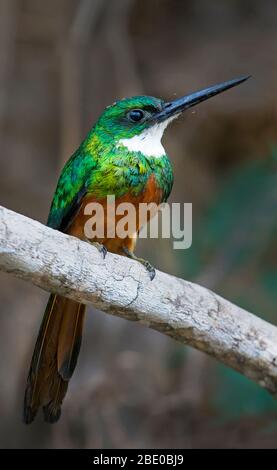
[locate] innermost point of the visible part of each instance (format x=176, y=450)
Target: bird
x=122, y=155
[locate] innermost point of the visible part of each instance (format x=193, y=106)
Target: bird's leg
x=150, y=269
x=100, y=247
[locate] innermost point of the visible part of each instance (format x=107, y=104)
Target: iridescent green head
x=130, y=116
x=138, y=123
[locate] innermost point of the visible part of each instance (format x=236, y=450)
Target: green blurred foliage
x=235, y=396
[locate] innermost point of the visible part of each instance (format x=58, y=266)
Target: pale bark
x=182, y=310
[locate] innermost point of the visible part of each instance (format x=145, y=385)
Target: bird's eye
x=136, y=115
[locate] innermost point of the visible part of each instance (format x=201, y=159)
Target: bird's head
x=138, y=123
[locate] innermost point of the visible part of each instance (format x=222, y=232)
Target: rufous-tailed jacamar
x=121, y=156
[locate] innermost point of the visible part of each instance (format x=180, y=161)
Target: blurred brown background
x=61, y=62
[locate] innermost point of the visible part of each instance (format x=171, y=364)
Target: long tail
x=54, y=358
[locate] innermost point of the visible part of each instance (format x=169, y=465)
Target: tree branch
x=182, y=310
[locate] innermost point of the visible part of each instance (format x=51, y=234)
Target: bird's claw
x=150, y=269
x=100, y=247
x=148, y=266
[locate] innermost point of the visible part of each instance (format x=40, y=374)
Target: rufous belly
x=151, y=194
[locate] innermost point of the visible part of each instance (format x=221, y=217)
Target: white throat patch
x=149, y=141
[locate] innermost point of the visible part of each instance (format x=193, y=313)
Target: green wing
x=71, y=188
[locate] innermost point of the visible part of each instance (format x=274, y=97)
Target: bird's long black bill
x=181, y=104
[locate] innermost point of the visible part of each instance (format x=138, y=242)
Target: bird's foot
x=100, y=247
x=149, y=268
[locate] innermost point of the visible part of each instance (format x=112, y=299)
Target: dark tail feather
x=54, y=358
x=70, y=338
